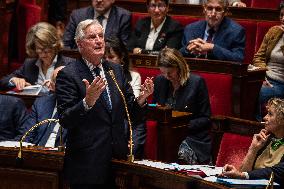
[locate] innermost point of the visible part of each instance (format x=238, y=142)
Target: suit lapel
x=110, y=22
x=162, y=35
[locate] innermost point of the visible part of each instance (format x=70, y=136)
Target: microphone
x=19, y=158
x=130, y=156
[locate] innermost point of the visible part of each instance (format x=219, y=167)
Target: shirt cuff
x=87, y=108
x=235, y=3
x=246, y=175
x=11, y=83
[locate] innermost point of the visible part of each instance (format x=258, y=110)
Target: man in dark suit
x=216, y=37
x=44, y=107
x=90, y=106
x=13, y=114
x=115, y=21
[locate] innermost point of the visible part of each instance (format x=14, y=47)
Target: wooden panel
x=27, y=179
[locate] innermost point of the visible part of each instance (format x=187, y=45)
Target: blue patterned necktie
x=104, y=93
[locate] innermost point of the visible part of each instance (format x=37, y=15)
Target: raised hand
x=259, y=140
x=94, y=90
x=146, y=90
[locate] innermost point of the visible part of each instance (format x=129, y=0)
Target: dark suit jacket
x=265, y=173
x=42, y=109
x=29, y=71
x=192, y=97
x=97, y=135
x=13, y=114
x=229, y=40
x=170, y=35
x=119, y=24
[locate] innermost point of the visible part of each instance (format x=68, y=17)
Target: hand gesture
x=146, y=90
x=199, y=46
x=20, y=83
x=231, y=172
x=259, y=140
x=94, y=90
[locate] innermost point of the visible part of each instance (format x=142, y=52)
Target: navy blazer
x=229, y=40
x=97, y=135
x=170, y=35
x=119, y=24
x=42, y=109
x=192, y=97
x=13, y=114
x=29, y=71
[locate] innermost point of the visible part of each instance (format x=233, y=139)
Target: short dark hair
x=166, y=1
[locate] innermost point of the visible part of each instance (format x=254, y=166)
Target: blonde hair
x=46, y=35
x=278, y=105
x=169, y=57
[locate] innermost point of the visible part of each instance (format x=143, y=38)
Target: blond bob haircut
x=278, y=105
x=46, y=35
x=172, y=58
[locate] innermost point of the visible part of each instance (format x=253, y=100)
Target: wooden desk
x=188, y=10
x=171, y=131
x=43, y=169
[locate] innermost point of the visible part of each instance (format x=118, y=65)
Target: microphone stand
x=130, y=156
x=61, y=147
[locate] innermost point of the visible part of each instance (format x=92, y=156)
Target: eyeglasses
x=218, y=10
x=161, y=6
x=45, y=50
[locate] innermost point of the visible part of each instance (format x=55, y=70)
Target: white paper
x=261, y=182
x=14, y=144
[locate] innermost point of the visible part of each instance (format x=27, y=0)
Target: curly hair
x=278, y=105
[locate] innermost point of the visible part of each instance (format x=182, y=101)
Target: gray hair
x=225, y=3
x=80, y=34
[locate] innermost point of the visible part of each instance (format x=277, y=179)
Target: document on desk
x=243, y=182
x=28, y=90
x=12, y=144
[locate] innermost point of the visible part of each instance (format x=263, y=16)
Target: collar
x=276, y=143
x=106, y=14
x=91, y=66
x=158, y=29
x=39, y=62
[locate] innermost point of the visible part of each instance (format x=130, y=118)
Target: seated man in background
x=13, y=114
x=265, y=154
x=217, y=37
x=45, y=108
x=156, y=31
x=115, y=21
x=234, y=3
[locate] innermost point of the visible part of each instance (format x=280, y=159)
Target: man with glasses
x=115, y=21
x=217, y=37
x=156, y=31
